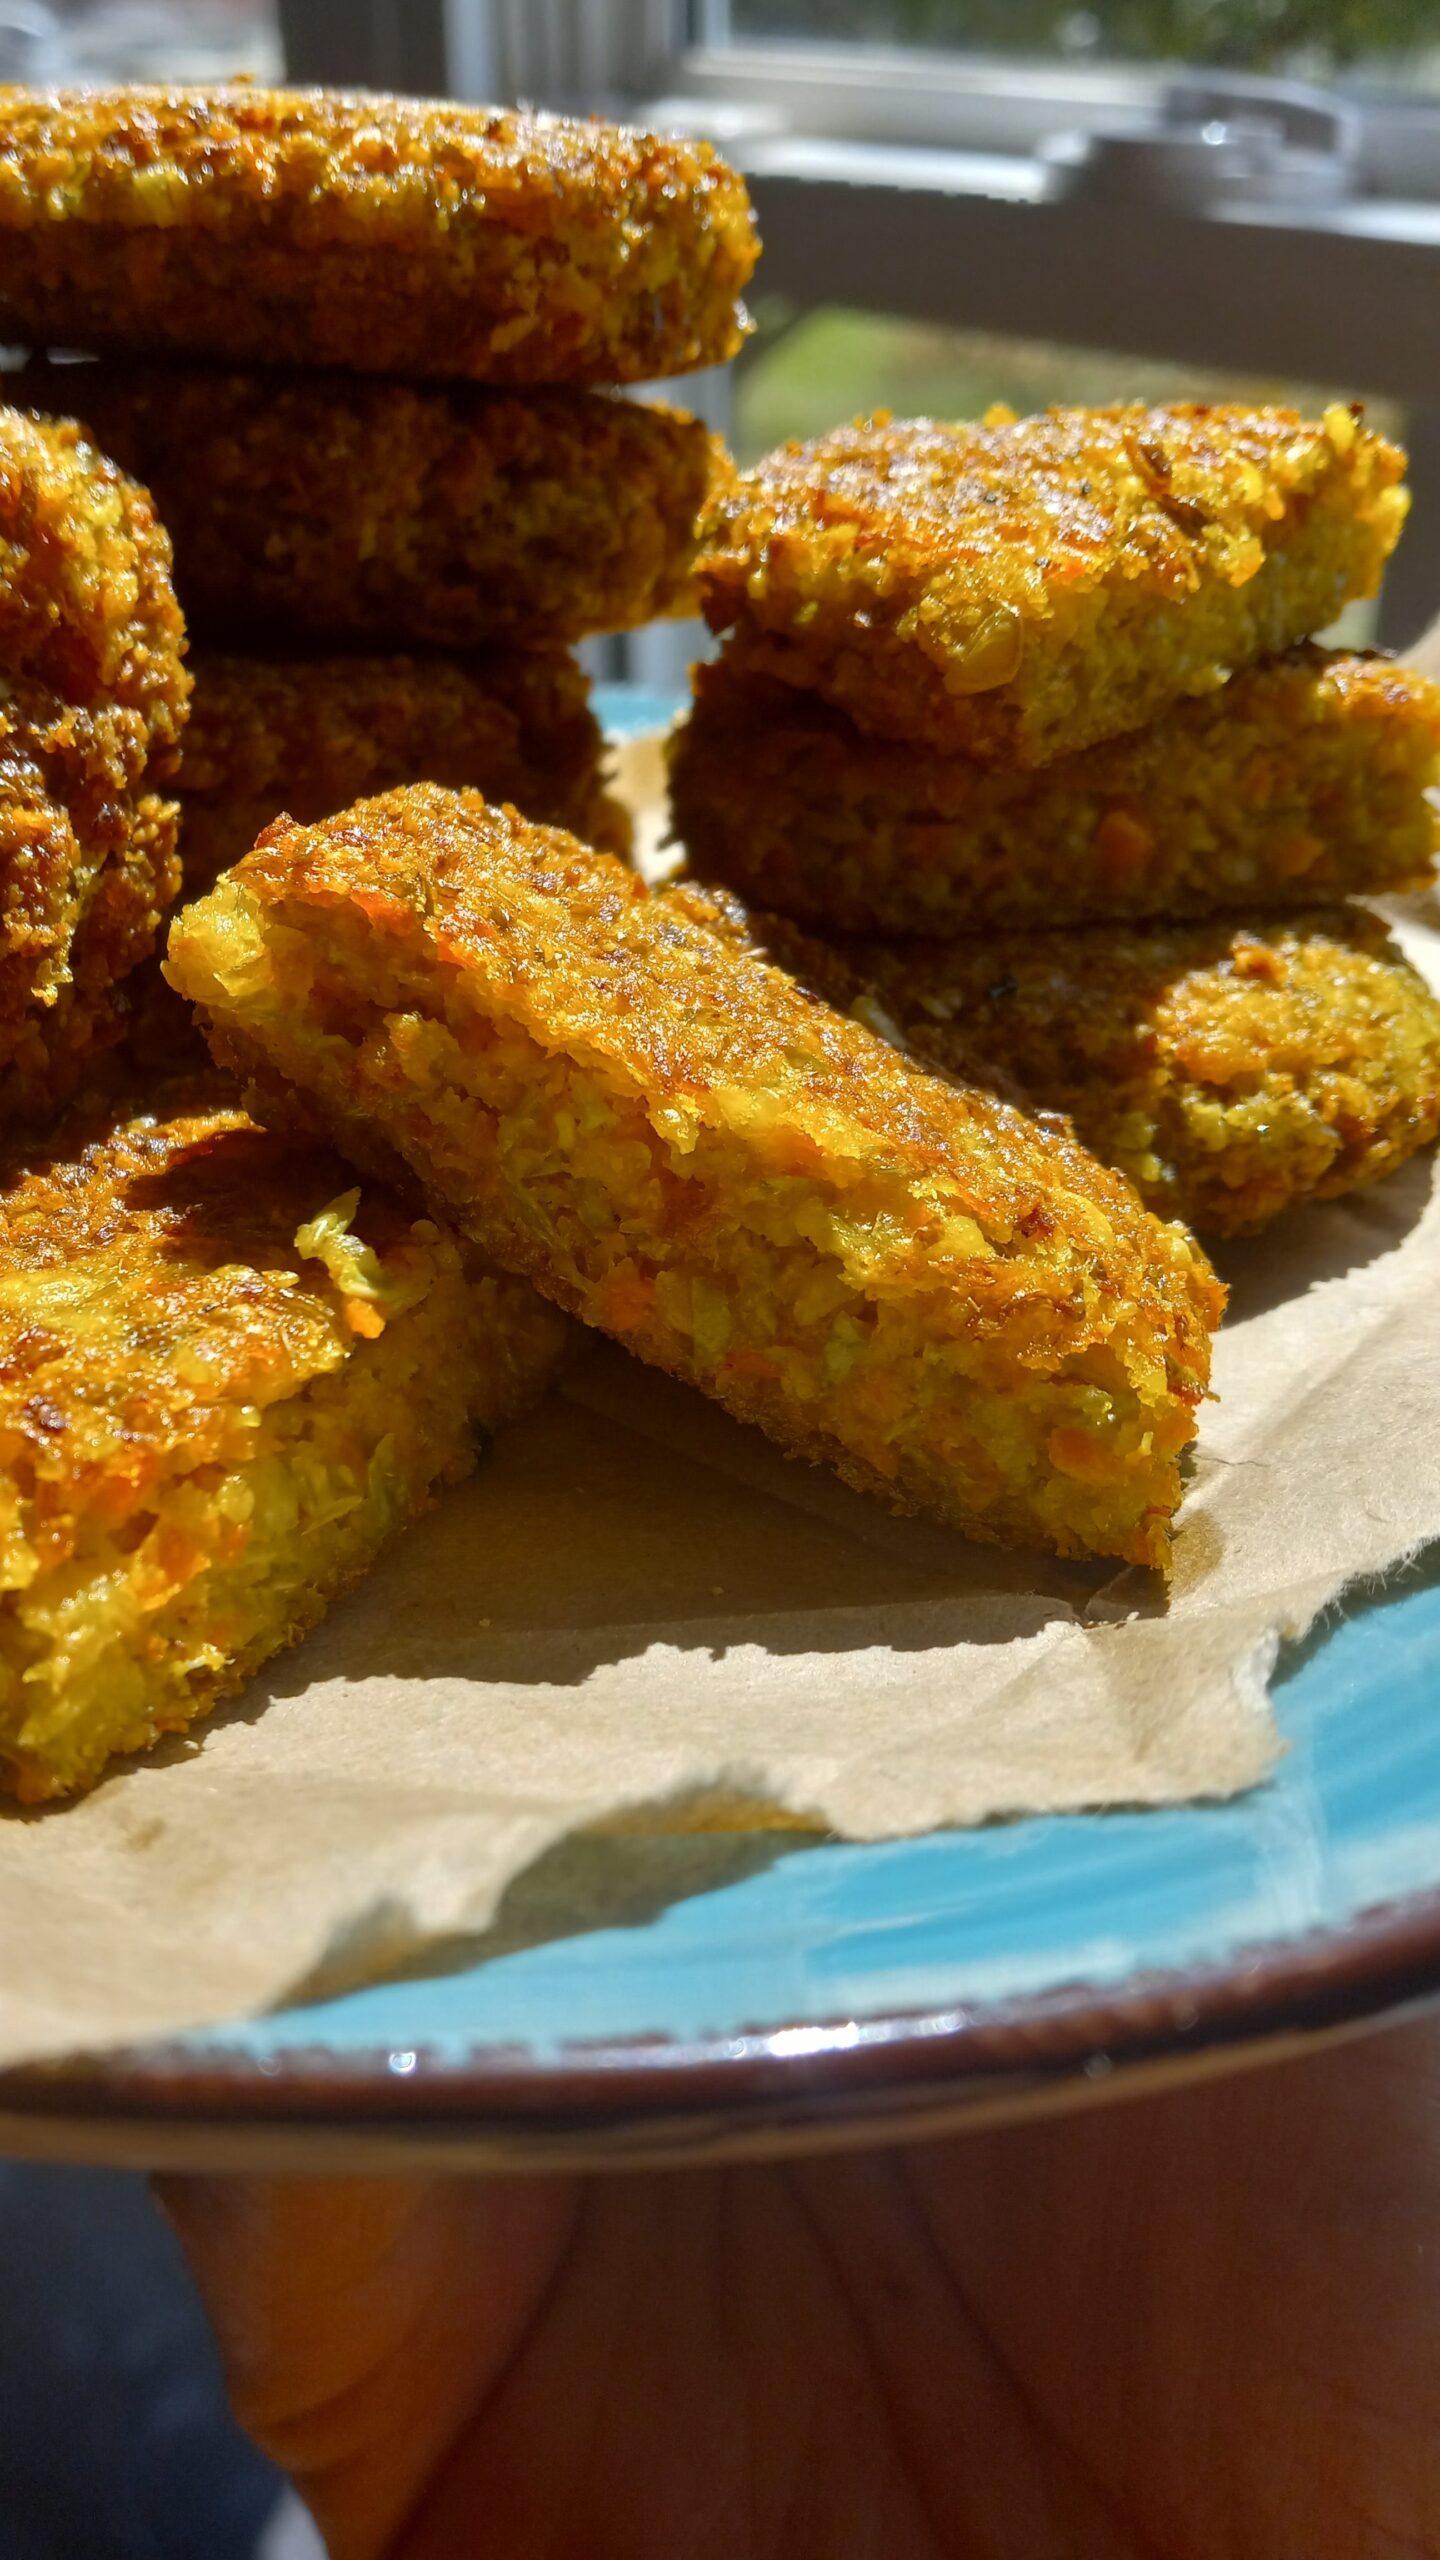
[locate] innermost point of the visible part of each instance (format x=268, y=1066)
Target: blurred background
x=962, y=201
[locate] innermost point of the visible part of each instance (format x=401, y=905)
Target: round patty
x=386, y=235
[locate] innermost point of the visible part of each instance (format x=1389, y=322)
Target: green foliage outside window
x=1254, y=35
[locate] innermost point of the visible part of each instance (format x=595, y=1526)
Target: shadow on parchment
x=628, y=1512
x=1324, y=1240
x=626, y=1872
x=585, y=1538
x=591, y=1880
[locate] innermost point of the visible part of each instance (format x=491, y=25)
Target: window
x=1303, y=39
x=54, y=40
x=1001, y=75
x=803, y=369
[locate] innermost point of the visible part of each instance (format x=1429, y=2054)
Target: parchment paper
x=639, y=1608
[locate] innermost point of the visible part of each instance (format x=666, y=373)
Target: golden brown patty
x=87, y=610
x=1229, y=1069
x=1017, y=590
x=387, y=235
x=92, y=697
x=308, y=505
x=1302, y=779
x=618, y=1097
x=309, y=735
x=81, y=905
x=226, y=1378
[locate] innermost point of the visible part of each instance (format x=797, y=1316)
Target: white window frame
x=893, y=93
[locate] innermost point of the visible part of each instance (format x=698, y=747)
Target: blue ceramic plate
x=843, y=1989
x=755, y=1986
x=962, y=1923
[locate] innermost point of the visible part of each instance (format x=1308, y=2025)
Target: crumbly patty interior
x=391, y=235
x=949, y=1305
x=1230, y=1070
x=1020, y=590
x=1304, y=779
x=228, y=1379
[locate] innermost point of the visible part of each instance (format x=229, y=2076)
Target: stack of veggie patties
x=359, y=351
x=366, y=355
x=1023, y=720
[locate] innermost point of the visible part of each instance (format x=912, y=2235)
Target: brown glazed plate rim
x=1385, y=1959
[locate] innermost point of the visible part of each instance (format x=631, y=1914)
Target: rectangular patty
x=1304, y=779
x=228, y=1377
x=1019, y=589
x=614, y=1095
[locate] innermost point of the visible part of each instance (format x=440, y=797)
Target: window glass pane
x=52, y=40
x=803, y=370
x=1308, y=38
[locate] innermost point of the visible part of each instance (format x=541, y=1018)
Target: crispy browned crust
x=87, y=609
x=216, y=1403
x=1229, y=1069
x=1305, y=778
x=385, y=235
x=92, y=697
x=619, y=1098
x=1018, y=590
x=379, y=513
x=309, y=735
x=79, y=912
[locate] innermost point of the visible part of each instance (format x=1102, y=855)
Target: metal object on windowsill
x=1213, y=145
